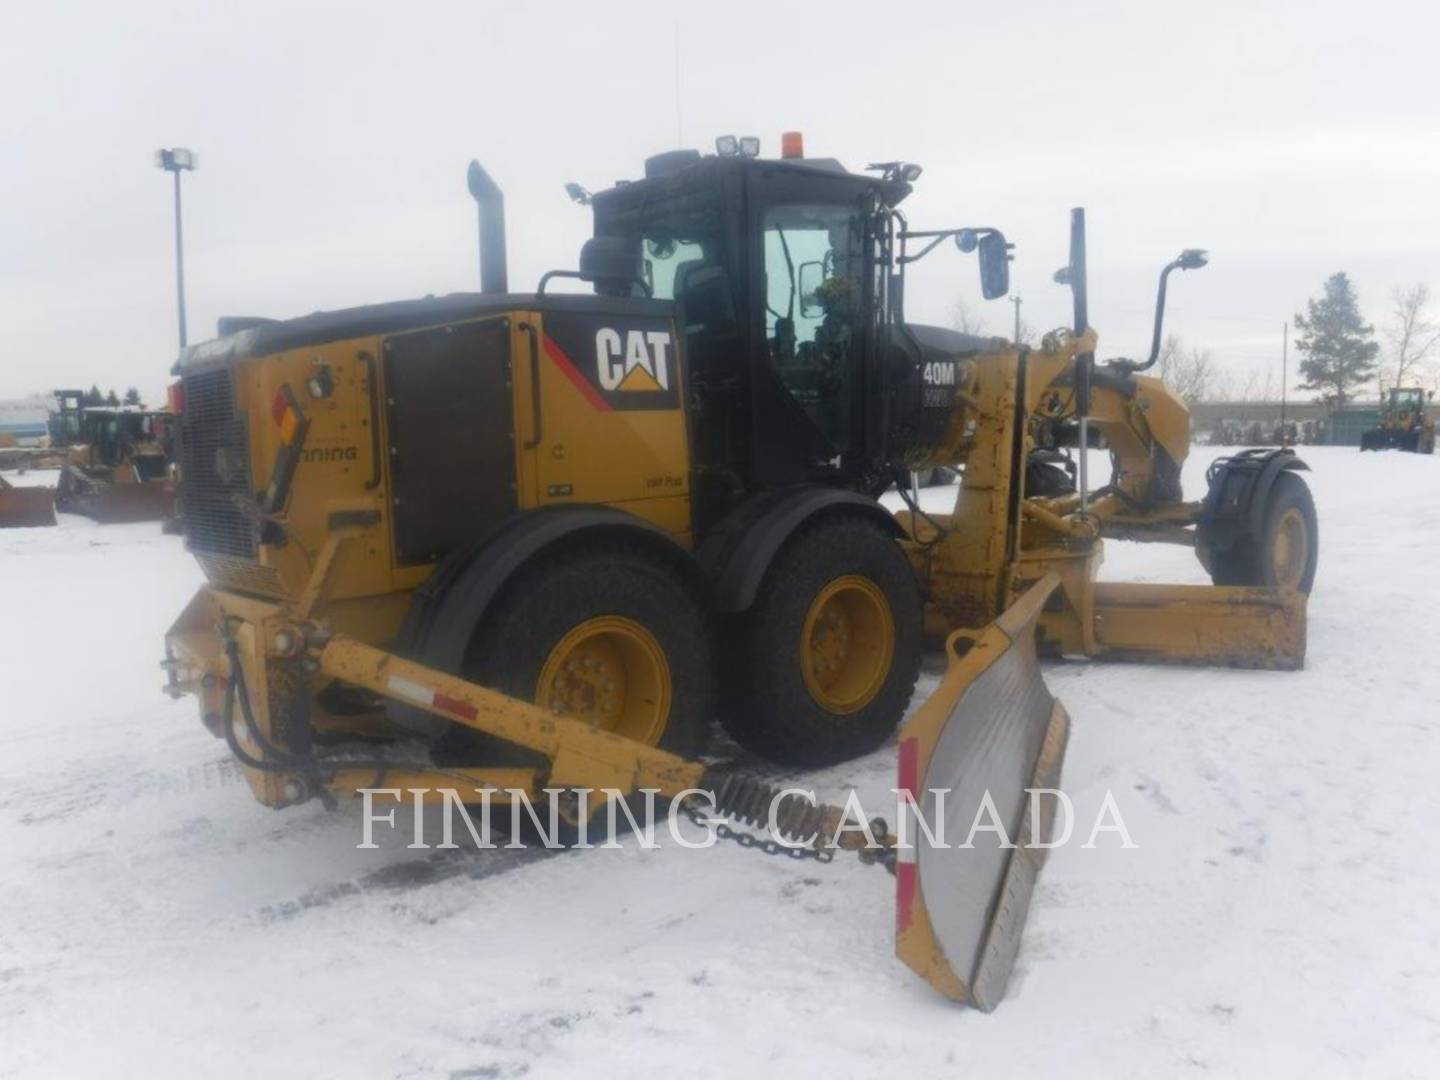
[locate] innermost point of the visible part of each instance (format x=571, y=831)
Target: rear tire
x=1287, y=550
x=821, y=667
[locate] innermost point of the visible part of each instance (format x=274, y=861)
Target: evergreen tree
x=1335, y=343
x=112, y=398
x=93, y=396
x=132, y=397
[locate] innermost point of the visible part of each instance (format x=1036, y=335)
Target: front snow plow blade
x=23, y=507
x=990, y=731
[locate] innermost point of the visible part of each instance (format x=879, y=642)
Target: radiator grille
x=241, y=574
x=215, y=469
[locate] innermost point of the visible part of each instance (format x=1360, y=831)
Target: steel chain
x=768, y=845
x=886, y=857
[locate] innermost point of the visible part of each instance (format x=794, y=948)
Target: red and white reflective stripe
x=424, y=695
x=906, y=877
x=909, y=773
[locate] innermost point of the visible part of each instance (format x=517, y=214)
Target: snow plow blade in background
x=991, y=728
x=22, y=507
x=115, y=504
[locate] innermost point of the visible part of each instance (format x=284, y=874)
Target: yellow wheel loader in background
x=1404, y=424
x=553, y=534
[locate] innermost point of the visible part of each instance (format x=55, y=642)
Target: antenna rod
x=679, y=128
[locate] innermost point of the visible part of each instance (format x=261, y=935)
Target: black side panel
x=452, y=446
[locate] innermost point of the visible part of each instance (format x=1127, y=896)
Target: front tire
x=1286, y=553
x=822, y=665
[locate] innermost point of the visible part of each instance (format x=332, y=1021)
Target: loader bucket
x=990, y=729
x=26, y=506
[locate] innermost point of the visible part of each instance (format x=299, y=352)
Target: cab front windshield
x=1407, y=399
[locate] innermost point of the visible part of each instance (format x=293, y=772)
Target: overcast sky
x=1293, y=140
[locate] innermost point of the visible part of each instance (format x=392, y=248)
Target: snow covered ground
x=1277, y=919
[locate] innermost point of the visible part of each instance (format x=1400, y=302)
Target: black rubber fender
x=738, y=551
x=445, y=610
x=1239, y=487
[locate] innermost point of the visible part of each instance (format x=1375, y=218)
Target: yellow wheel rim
x=1290, y=549
x=847, y=644
x=611, y=673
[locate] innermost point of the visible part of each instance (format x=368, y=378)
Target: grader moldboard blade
x=992, y=727
x=22, y=507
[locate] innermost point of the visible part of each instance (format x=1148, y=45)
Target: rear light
x=286, y=413
x=175, y=397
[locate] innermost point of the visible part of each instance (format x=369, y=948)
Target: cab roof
x=683, y=168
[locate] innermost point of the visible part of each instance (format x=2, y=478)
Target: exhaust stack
x=490, y=202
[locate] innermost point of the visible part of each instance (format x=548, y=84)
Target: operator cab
x=1403, y=399
x=788, y=284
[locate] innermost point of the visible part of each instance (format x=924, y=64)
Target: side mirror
x=612, y=262
x=994, y=265
x=812, y=276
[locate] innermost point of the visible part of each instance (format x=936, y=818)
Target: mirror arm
x=1159, y=319
x=936, y=237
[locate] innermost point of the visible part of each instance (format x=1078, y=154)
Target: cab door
x=809, y=304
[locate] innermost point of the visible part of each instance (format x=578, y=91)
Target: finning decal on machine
x=616, y=362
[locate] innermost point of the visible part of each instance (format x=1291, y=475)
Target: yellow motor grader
x=554, y=534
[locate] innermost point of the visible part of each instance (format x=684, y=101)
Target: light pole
x=176, y=161
x=1016, y=301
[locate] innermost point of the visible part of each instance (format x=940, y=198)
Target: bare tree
x=1222, y=387
x=1187, y=373
x=1193, y=375
x=965, y=320
x=1413, y=334
x=1251, y=388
